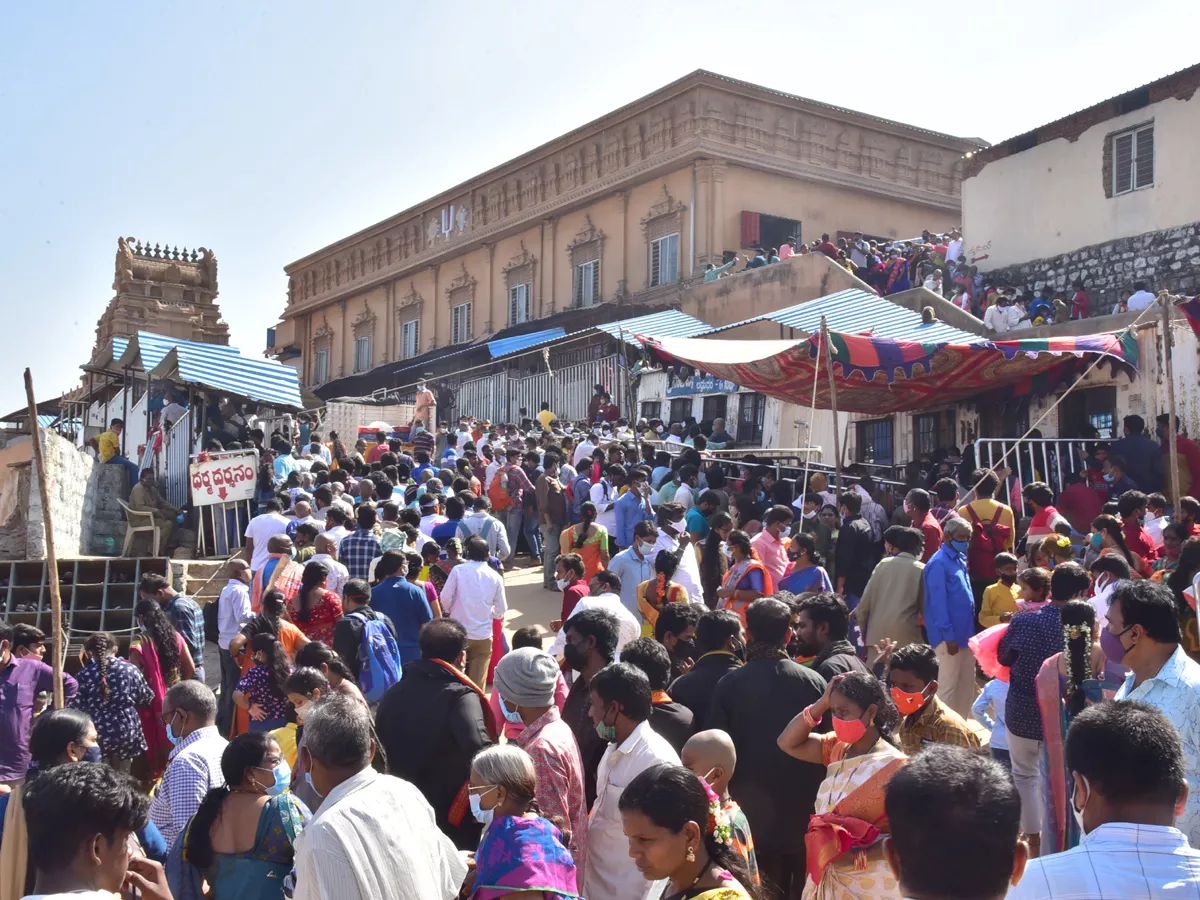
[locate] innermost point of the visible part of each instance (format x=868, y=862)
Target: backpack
x=498, y=491
x=379, y=658
x=212, y=631
x=580, y=491
x=987, y=539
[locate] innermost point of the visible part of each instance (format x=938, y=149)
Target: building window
x=750, y=419
x=587, y=283
x=321, y=367
x=875, y=442
x=681, y=408
x=518, y=304
x=410, y=338
x=932, y=432
x=714, y=407
x=362, y=353
x=652, y=409
x=1133, y=160
x=664, y=260
x=460, y=323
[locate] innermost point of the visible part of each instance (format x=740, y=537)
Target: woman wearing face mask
x=164, y=660
x=1173, y=537
x=679, y=833
x=110, y=691
x=520, y=852
x=806, y=574
x=58, y=737
x=262, y=691
x=860, y=759
x=1107, y=538
x=241, y=841
x=714, y=562
x=587, y=539
x=747, y=578
x=656, y=593
x=1068, y=683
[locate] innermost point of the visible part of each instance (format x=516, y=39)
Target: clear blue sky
x=265, y=131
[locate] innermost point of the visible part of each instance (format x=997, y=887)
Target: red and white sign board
x=227, y=478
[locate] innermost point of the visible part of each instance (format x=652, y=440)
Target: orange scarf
x=660, y=697
x=856, y=821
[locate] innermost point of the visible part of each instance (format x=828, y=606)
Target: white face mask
x=562, y=583
x=811, y=515
x=646, y=547
x=676, y=527
x=1077, y=811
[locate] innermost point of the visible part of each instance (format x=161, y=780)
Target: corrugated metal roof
x=854, y=311
x=262, y=380
x=522, y=341
x=153, y=347
x=668, y=323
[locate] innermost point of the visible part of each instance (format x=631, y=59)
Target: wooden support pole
x=39, y=468
x=837, y=441
x=1172, y=435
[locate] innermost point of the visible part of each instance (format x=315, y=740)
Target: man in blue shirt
x=455, y=510
x=402, y=602
x=696, y=518
x=632, y=507
x=635, y=564
x=950, y=616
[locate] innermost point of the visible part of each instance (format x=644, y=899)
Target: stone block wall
x=71, y=474
x=108, y=485
x=1167, y=259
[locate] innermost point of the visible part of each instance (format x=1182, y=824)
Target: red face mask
x=849, y=731
x=907, y=703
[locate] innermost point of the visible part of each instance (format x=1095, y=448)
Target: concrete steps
x=202, y=580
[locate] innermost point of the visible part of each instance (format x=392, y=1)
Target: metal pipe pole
x=1172, y=424
x=39, y=463
x=837, y=442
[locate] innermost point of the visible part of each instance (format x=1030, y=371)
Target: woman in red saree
x=162, y=656
x=843, y=846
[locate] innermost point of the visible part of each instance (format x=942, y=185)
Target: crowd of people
x=938, y=262
x=756, y=686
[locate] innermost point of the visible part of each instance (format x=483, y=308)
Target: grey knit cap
x=526, y=677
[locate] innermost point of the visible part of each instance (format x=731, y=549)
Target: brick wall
x=1163, y=259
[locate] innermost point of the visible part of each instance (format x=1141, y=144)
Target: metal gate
x=500, y=397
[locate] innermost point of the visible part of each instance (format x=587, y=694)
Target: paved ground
x=528, y=602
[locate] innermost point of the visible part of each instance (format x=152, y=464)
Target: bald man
x=711, y=755
x=326, y=546
x=233, y=611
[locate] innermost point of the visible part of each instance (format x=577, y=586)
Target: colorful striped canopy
x=883, y=375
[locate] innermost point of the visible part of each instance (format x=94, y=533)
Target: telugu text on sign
x=223, y=479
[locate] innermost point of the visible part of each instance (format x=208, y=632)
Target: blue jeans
x=533, y=536
x=514, y=519
x=130, y=467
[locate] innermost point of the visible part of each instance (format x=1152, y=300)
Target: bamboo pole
x=1172, y=439
x=39, y=467
x=837, y=440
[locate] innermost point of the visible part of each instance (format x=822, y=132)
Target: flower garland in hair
x=718, y=825
x=1062, y=541
x=661, y=581
x=1076, y=632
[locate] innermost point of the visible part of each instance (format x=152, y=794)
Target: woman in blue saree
x=806, y=575
x=241, y=841
x=896, y=274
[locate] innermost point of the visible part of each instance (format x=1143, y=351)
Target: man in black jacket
x=856, y=552
x=753, y=705
x=431, y=724
x=719, y=650
x=347, y=633
x=823, y=631
x=591, y=645
x=669, y=718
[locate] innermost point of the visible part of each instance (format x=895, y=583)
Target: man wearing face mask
x=912, y=678
x=675, y=629
x=635, y=563
x=603, y=593
x=189, y=711
x=1128, y=793
x=672, y=536
x=950, y=615
x=620, y=710
x=1143, y=634
x=810, y=523
x=591, y=644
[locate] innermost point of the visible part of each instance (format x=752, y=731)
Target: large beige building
x=625, y=210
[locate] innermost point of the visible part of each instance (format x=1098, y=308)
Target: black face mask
x=685, y=649
x=575, y=656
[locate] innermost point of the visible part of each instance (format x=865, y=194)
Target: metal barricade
x=1033, y=459
x=177, y=447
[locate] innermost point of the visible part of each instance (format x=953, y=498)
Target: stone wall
x=1163, y=259
x=71, y=475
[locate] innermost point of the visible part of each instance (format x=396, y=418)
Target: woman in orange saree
x=843, y=846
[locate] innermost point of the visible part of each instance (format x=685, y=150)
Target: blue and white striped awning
x=668, y=323
x=214, y=366
x=504, y=346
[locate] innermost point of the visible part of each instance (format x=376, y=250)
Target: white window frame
x=321, y=366
x=664, y=267
x=460, y=323
x=587, y=283
x=410, y=338
x=519, y=307
x=1134, y=136
x=362, y=353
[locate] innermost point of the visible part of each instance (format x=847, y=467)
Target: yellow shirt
x=546, y=417
x=998, y=598
x=993, y=511
x=285, y=737
x=109, y=445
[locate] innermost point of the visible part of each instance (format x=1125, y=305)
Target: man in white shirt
x=487, y=526
x=584, y=449
x=689, y=479
x=604, y=593
x=620, y=709
x=172, y=411
x=474, y=595
x=1140, y=298
x=260, y=530
x=335, y=523
x=1126, y=766
x=430, y=514
x=233, y=611
x=1002, y=316
x=374, y=835
x=326, y=552
x=189, y=711
x=670, y=534
x=604, y=494
x=955, y=248
x=859, y=251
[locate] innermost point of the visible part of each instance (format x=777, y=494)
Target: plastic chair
x=132, y=529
